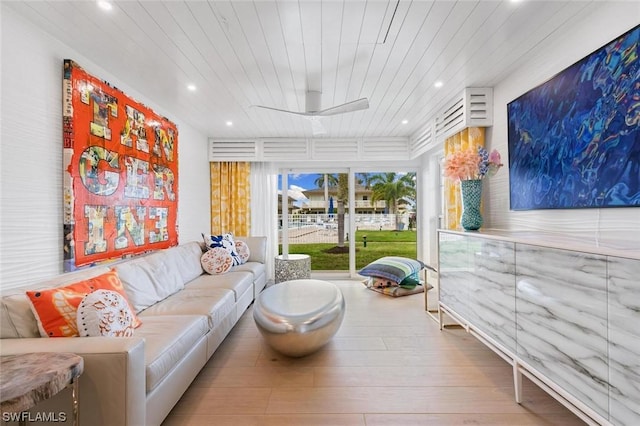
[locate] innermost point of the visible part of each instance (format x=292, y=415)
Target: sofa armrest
x=112, y=386
x=257, y=248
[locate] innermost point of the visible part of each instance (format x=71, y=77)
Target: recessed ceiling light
x=229, y=123
x=405, y=121
x=438, y=84
x=105, y=5
x=191, y=87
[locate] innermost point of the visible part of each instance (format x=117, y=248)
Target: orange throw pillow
x=56, y=308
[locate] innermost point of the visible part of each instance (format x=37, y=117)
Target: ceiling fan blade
x=317, y=128
x=357, y=105
x=306, y=114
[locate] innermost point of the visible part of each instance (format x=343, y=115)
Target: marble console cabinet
x=563, y=312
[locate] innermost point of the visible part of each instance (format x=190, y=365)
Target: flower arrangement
x=472, y=164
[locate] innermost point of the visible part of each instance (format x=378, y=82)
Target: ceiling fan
x=313, y=111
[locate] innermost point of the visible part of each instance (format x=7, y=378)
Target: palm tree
x=343, y=195
x=395, y=189
x=341, y=182
x=365, y=179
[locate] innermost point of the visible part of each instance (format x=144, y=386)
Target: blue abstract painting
x=574, y=141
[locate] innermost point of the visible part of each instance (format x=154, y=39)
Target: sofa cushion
x=215, y=303
x=136, y=275
x=257, y=248
x=165, y=272
x=257, y=269
x=237, y=281
x=150, y=279
x=168, y=338
x=186, y=258
x=16, y=317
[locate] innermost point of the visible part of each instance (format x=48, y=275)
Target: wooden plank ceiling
x=242, y=53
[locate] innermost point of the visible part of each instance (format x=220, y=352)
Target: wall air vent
x=232, y=150
x=472, y=108
x=288, y=149
x=334, y=149
x=451, y=118
x=385, y=148
x=284, y=149
x=421, y=141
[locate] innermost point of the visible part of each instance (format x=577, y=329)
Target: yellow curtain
x=230, y=198
x=471, y=137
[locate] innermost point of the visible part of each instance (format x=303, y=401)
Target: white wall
x=31, y=154
x=619, y=227
x=613, y=224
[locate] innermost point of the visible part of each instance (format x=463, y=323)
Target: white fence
x=323, y=228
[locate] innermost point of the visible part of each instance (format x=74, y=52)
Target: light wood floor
x=388, y=365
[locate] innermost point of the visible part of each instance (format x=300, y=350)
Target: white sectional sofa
x=185, y=315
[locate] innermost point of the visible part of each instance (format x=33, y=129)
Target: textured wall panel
x=31, y=155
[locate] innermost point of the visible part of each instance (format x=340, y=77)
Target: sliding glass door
x=385, y=216
x=313, y=218
x=345, y=219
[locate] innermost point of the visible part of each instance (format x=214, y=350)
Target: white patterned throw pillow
x=216, y=261
x=243, y=251
x=224, y=241
x=104, y=313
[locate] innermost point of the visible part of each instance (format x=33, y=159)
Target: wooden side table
x=29, y=378
x=292, y=267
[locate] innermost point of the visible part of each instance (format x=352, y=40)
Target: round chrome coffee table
x=298, y=317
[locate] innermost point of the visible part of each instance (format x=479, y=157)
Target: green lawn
x=379, y=244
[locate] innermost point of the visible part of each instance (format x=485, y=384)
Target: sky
x=299, y=183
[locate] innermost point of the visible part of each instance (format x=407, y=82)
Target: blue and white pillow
x=225, y=241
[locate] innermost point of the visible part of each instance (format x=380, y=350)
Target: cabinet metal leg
x=517, y=381
x=74, y=398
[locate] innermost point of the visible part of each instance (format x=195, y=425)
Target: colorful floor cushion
x=391, y=288
x=393, y=268
x=408, y=283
